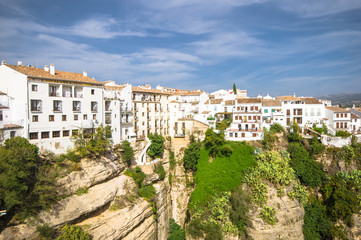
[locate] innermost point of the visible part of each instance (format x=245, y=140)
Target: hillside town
x=48, y=107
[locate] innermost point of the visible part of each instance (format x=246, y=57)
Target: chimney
x=85, y=74
x=294, y=94
x=46, y=68
x=52, y=69
x=20, y=63
x=3, y=62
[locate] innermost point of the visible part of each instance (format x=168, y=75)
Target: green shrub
x=156, y=147
x=268, y=215
x=343, y=134
x=128, y=152
x=195, y=228
x=175, y=231
x=81, y=191
x=137, y=175
x=147, y=192
x=159, y=169
x=214, y=142
x=240, y=204
x=93, y=143
x=191, y=156
x=316, y=146
x=73, y=232
x=299, y=192
x=308, y=170
x=316, y=222
x=172, y=161
x=317, y=129
x=45, y=231
x=268, y=139
x=276, y=128
x=213, y=231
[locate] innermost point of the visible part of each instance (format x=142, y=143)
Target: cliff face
x=105, y=184
x=289, y=214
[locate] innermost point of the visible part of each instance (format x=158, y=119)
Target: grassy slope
x=222, y=174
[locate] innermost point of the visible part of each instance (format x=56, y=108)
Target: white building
x=338, y=119
x=272, y=112
x=118, y=111
x=50, y=104
x=228, y=94
x=9, y=124
x=247, y=124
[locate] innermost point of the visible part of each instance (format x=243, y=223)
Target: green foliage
x=316, y=222
x=175, y=231
x=123, y=201
x=299, y=192
x=81, y=191
x=93, y=143
x=240, y=204
x=316, y=147
x=343, y=134
x=214, y=142
x=234, y=89
x=224, y=124
x=324, y=129
x=317, y=129
x=342, y=195
x=195, y=228
x=159, y=169
x=348, y=154
x=147, y=192
x=156, y=147
x=270, y=166
x=268, y=215
x=18, y=165
x=128, y=152
x=222, y=174
x=45, y=231
x=191, y=156
x=268, y=139
x=73, y=232
x=172, y=161
x=308, y=170
x=276, y=128
x=294, y=135
x=137, y=174
x=213, y=231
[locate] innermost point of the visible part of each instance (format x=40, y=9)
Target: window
x=76, y=118
x=236, y=117
x=35, y=118
x=273, y=110
x=35, y=105
x=243, y=135
x=12, y=134
x=74, y=132
x=63, y=118
x=51, y=118
x=56, y=134
x=230, y=134
x=107, y=105
x=337, y=115
x=85, y=117
x=108, y=118
x=76, y=106
x=235, y=134
x=34, y=88
x=254, y=135
x=34, y=135
x=94, y=106
x=57, y=106
x=94, y=117
x=45, y=135
x=265, y=111
x=288, y=112
x=66, y=133
x=52, y=91
x=256, y=108
x=93, y=91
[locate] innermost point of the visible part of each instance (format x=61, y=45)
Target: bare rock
x=93, y=172
x=289, y=214
x=163, y=208
x=152, y=178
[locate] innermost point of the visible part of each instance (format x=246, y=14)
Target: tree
x=93, y=143
x=73, y=232
x=234, y=89
x=156, y=148
x=191, y=156
x=18, y=165
x=128, y=152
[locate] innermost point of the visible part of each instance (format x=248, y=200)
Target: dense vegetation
x=175, y=231
x=128, y=152
x=156, y=147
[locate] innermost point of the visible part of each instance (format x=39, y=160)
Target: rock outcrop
x=289, y=215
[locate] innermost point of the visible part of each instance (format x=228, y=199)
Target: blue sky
x=265, y=46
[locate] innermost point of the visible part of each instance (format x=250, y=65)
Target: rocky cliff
x=103, y=186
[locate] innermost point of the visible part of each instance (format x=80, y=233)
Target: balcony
x=54, y=94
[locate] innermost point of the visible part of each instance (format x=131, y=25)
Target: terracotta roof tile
x=311, y=101
x=270, y=103
x=187, y=93
x=114, y=87
x=2, y=93
x=59, y=75
x=288, y=98
x=214, y=101
x=337, y=109
x=249, y=100
x=229, y=102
